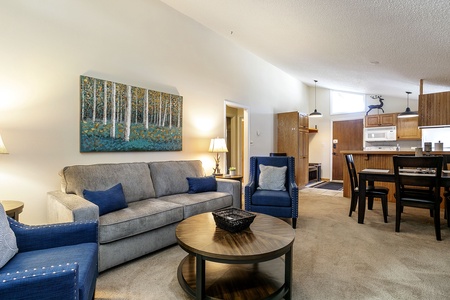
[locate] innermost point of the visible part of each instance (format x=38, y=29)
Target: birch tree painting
x=120, y=117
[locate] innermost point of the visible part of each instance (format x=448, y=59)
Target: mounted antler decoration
x=377, y=106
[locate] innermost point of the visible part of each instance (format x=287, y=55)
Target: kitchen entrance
x=347, y=135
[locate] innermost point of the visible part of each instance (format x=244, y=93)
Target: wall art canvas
x=116, y=117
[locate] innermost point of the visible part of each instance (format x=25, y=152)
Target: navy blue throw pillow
x=202, y=184
x=107, y=201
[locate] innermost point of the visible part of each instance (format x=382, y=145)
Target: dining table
x=367, y=178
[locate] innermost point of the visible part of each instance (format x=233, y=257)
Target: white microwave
x=374, y=134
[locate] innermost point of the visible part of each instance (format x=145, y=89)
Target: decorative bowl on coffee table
x=233, y=219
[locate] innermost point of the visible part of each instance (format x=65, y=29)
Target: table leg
x=362, y=198
x=200, y=277
x=288, y=274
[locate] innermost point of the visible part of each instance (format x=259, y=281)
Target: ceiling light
x=408, y=113
x=315, y=113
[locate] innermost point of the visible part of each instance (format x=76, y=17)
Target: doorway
x=347, y=135
x=237, y=137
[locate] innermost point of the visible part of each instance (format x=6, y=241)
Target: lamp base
x=217, y=169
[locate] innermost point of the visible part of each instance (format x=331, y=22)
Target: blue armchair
x=57, y=261
x=277, y=203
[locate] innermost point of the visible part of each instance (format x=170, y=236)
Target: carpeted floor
x=334, y=257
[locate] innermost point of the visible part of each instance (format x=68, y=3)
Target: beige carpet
x=334, y=257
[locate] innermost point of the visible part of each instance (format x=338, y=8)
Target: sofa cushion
x=107, y=201
x=8, y=243
x=169, y=177
x=82, y=254
x=134, y=177
x=202, y=184
x=194, y=204
x=138, y=217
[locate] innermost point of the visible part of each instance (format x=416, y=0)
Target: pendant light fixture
x=408, y=113
x=315, y=113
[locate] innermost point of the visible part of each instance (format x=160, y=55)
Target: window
x=345, y=103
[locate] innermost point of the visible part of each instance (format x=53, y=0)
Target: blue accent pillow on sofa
x=202, y=184
x=107, y=201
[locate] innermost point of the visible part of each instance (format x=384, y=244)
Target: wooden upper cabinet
x=372, y=121
x=288, y=125
x=381, y=120
x=434, y=109
x=408, y=129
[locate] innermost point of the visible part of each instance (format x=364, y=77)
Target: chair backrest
x=418, y=172
x=275, y=161
x=278, y=154
x=445, y=166
x=351, y=171
x=445, y=162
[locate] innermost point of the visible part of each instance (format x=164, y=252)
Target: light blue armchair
x=274, y=202
x=57, y=261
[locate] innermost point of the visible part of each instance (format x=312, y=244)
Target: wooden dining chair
x=417, y=182
x=371, y=191
x=445, y=167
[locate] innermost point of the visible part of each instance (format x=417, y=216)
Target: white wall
x=48, y=44
x=436, y=135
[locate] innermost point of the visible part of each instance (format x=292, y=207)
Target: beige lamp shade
x=218, y=145
x=3, y=149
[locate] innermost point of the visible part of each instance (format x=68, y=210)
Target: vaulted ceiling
x=373, y=47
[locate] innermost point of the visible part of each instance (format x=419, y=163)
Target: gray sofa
x=157, y=198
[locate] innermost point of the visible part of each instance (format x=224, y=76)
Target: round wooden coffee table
x=243, y=265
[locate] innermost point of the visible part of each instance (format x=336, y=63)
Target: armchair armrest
x=293, y=193
x=38, y=237
x=62, y=207
x=293, y=188
x=59, y=280
x=233, y=187
x=249, y=189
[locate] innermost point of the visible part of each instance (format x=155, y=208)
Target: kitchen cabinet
x=408, y=129
x=434, y=108
x=381, y=120
x=293, y=140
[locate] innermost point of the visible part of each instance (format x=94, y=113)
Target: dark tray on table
x=233, y=219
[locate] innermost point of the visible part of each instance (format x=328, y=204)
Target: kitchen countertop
x=381, y=152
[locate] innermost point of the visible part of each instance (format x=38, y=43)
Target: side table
x=234, y=177
x=12, y=208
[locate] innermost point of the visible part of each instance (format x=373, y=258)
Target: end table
x=12, y=208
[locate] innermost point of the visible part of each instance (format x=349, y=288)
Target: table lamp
x=3, y=149
x=217, y=145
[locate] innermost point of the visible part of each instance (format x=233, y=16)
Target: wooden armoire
x=293, y=140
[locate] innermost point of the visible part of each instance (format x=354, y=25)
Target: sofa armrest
x=57, y=282
x=62, y=207
x=37, y=237
x=232, y=187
